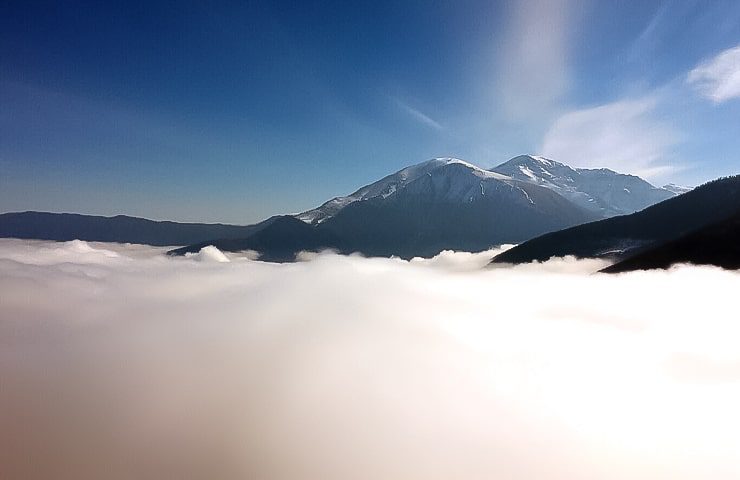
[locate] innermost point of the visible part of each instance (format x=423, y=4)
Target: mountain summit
x=602, y=191
x=453, y=205
x=382, y=188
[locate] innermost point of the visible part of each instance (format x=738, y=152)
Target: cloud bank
x=119, y=362
x=718, y=79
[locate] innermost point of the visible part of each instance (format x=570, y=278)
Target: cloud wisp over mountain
x=118, y=360
x=625, y=135
x=641, y=133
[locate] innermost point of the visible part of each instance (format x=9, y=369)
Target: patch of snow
x=527, y=172
x=391, y=191
x=542, y=160
x=526, y=195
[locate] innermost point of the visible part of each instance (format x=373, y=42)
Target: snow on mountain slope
x=385, y=187
x=455, y=206
x=441, y=204
x=602, y=191
x=457, y=181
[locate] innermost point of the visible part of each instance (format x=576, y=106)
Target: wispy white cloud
x=418, y=115
x=533, y=68
x=718, y=79
x=648, y=37
x=625, y=135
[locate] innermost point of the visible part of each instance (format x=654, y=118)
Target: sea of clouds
x=118, y=362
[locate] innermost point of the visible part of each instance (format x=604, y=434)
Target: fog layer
x=117, y=362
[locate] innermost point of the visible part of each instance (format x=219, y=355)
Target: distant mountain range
x=685, y=228
x=121, y=229
x=444, y=203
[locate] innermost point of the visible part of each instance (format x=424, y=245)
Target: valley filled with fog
x=117, y=361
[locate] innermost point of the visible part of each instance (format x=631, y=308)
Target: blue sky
x=234, y=111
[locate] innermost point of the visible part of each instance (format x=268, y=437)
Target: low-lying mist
x=118, y=362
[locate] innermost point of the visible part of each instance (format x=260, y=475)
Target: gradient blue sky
x=234, y=111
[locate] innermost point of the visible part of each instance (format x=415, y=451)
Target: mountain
x=455, y=205
x=382, y=188
x=717, y=244
x=602, y=191
x=627, y=235
x=420, y=211
x=121, y=228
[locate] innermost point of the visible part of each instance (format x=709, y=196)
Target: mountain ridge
x=601, y=190
x=604, y=191
x=116, y=228
x=623, y=236
x=716, y=244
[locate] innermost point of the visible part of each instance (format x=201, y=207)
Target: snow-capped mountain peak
x=391, y=184
x=542, y=160
x=601, y=190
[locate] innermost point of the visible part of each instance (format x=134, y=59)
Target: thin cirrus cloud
x=624, y=135
x=417, y=115
x=718, y=79
x=650, y=35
